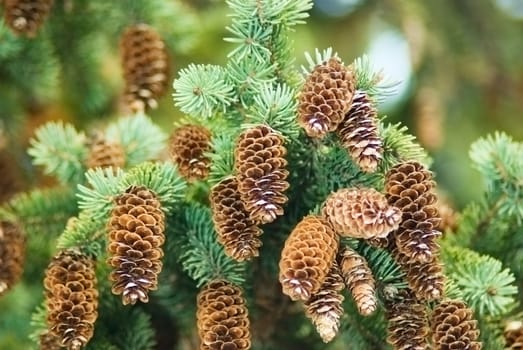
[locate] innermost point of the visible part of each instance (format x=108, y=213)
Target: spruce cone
x=407, y=328
x=360, y=213
x=453, y=326
x=222, y=317
x=514, y=335
x=146, y=67
x=325, y=98
x=358, y=133
x=325, y=307
x=25, y=17
x=136, y=235
x=48, y=341
x=261, y=173
x=236, y=231
x=188, y=145
x=72, y=299
x=409, y=187
x=12, y=255
x=105, y=154
x=359, y=280
x=307, y=257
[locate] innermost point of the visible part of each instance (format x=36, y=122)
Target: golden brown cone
x=25, y=17
x=359, y=280
x=71, y=298
x=12, y=255
x=187, y=147
x=48, y=341
x=360, y=213
x=325, y=97
x=325, y=307
x=236, y=231
x=307, y=257
x=222, y=317
x=136, y=235
x=513, y=335
x=105, y=154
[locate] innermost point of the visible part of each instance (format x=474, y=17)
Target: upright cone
x=12, y=255
x=71, y=299
x=25, y=17
x=145, y=66
x=136, y=235
x=187, y=147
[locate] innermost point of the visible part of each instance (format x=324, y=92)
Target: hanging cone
x=236, y=231
x=360, y=213
x=325, y=97
x=514, y=335
x=145, y=66
x=25, y=17
x=307, y=257
x=71, y=298
x=105, y=154
x=222, y=317
x=359, y=280
x=358, y=133
x=136, y=235
x=325, y=307
x=12, y=255
x=454, y=327
x=261, y=173
x=408, y=325
x=409, y=187
x=48, y=341
x=187, y=147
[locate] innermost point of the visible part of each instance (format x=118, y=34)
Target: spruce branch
x=84, y=233
x=61, y=150
x=38, y=322
x=285, y=12
x=97, y=198
x=203, y=90
x=383, y=266
x=250, y=39
x=140, y=138
x=222, y=157
x=138, y=333
x=371, y=81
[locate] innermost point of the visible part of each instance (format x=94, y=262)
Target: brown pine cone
x=325, y=97
x=12, y=255
x=187, y=147
x=359, y=280
x=514, y=335
x=358, y=133
x=408, y=324
x=71, y=298
x=105, y=154
x=48, y=341
x=136, y=235
x=360, y=213
x=409, y=187
x=236, y=231
x=449, y=217
x=307, y=257
x=25, y=17
x=325, y=307
x=222, y=317
x=454, y=327
x=146, y=67
x=260, y=167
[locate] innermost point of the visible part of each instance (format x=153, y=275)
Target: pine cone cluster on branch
x=145, y=67
x=136, y=235
x=72, y=300
x=222, y=317
x=187, y=147
x=25, y=17
x=12, y=255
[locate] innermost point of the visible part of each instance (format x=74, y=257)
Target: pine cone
x=25, y=17
x=453, y=326
x=236, y=231
x=514, y=335
x=325, y=98
x=105, y=154
x=360, y=213
x=188, y=145
x=409, y=187
x=358, y=133
x=407, y=328
x=12, y=255
x=49, y=341
x=222, y=317
x=307, y=257
x=146, y=67
x=449, y=217
x=359, y=280
x=71, y=298
x=136, y=235
x=261, y=173
x=325, y=307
